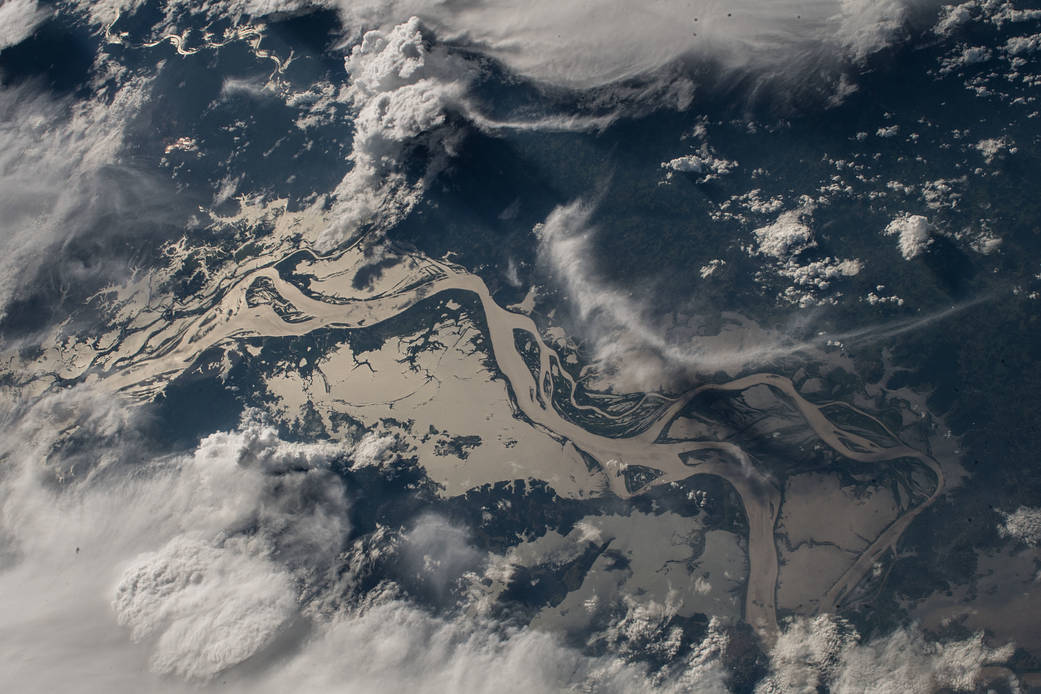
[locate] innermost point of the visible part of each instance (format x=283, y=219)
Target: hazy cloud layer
x=63, y=177
x=222, y=568
x=161, y=575
x=18, y=21
x=202, y=558
x=209, y=607
x=592, y=44
x=632, y=345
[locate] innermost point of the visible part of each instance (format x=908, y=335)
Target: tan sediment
x=160, y=355
x=1005, y=599
x=823, y=526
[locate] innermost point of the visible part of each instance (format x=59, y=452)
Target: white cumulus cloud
x=210, y=607
x=789, y=235
x=825, y=651
x=404, y=90
x=913, y=232
x=1023, y=524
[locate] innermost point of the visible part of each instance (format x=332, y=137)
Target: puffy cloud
x=971, y=55
x=710, y=268
x=786, y=237
x=1024, y=524
x=404, y=90
x=703, y=671
x=1023, y=45
x=319, y=105
x=102, y=13
x=942, y=192
x=211, y=607
x=282, y=493
x=864, y=27
x=814, y=276
x=954, y=16
x=410, y=94
x=807, y=655
x=646, y=627
x=393, y=645
x=704, y=164
x=914, y=234
x=373, y=449
x=436, y=554
x=785, y=241
x=18, y=21
x=997, y=12
x=905, y=661
x=994, y=148
x=826, y=651
x=879, y=297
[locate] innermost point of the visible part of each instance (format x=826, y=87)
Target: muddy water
x=162, y=356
